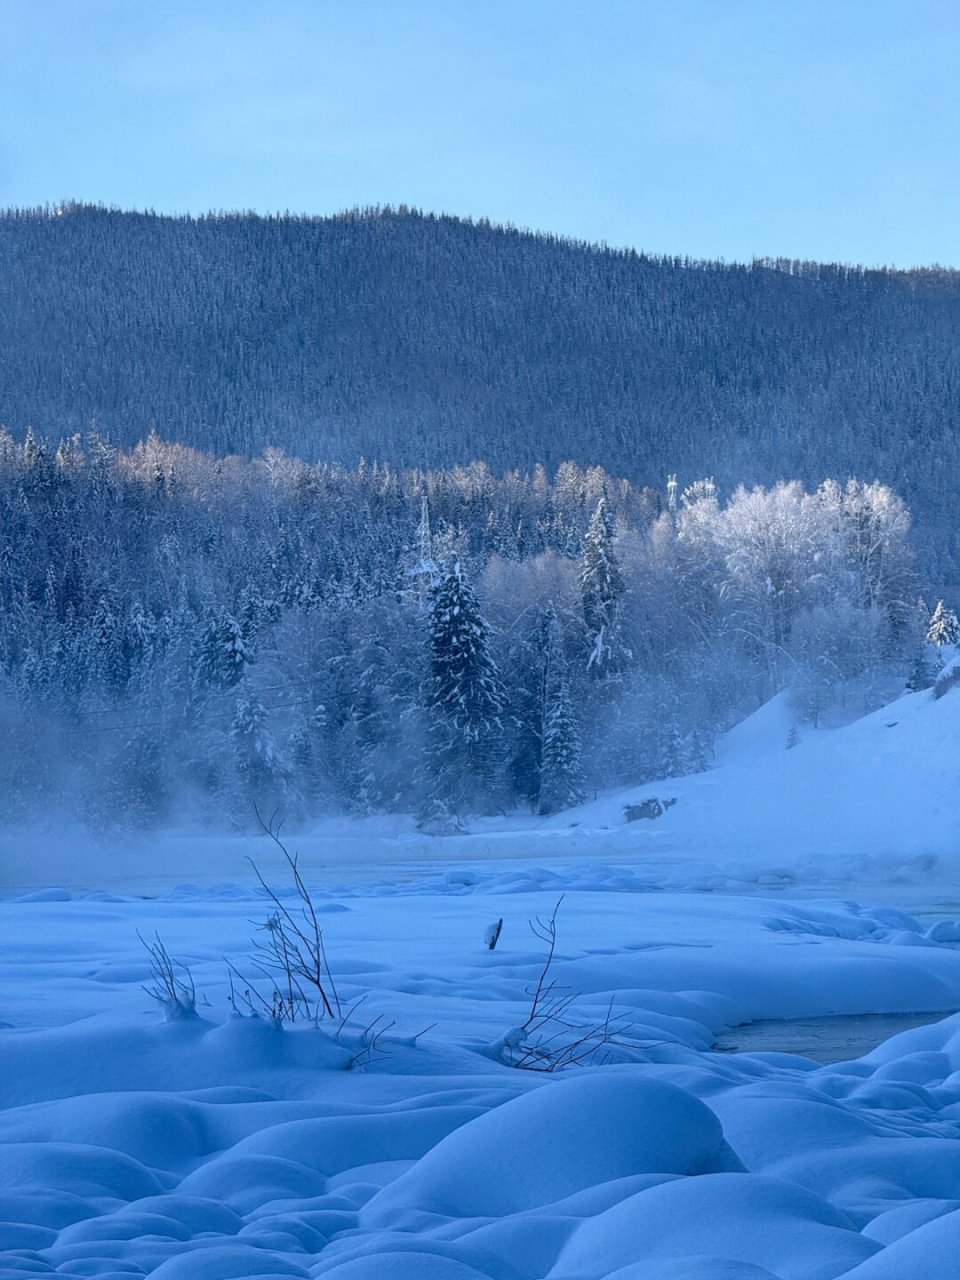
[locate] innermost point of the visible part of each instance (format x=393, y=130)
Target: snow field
x=219, y=1147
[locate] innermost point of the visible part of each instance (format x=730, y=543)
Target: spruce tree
x=561, y=772
x=263, y=774
x=109, y=660
x=465, y=697
x=944, y=627
x=923, y=673
x=305, y=753
x=223, y=653
x=421, y=569
x=601, y=593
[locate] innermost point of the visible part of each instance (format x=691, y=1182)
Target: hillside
x=429, y=341
x=883, y=789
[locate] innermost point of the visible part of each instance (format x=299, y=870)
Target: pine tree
x=923, y=673
x=223, y=654
x=140, y=777
x=466, y=698
x=422, y=570
x=561, y=771
x=522, y=668
x=304, y=751
x=601, y=593
x=944, y=627
x=676, y=758
x=109, y=660
x=263, y=774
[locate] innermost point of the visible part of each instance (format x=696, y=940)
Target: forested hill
x=426, y=341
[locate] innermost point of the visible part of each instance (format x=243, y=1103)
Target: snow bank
x=557, y=1140
x=741, y=1218
x=225, y=1148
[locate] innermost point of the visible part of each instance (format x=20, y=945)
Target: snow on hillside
x=407, y=1143
x=886, y=785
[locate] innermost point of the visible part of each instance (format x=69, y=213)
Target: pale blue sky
x=715, y=128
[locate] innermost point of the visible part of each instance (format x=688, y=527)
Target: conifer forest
x=388, y=512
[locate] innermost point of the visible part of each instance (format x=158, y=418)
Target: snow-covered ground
x=781, y=884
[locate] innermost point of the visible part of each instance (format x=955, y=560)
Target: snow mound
x=699, y=1267
x=87, y=1170
x=931, y=1252
x=227, y=1262
x=405, y=1266
x=554, y=1141
x=739, y=1217
x=229, y=1148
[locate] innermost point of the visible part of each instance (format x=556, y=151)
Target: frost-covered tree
x=304, y=750
x=561, y=778
x=944, y=627
x=876, y=522
x=601, y=594
x=263, y=774
x=923, y=673
x=466, y=703
x=110, y=656
x=142, y=778
x=386, y=709
x=768, y=537
x=223, y=654
x=141, y=635
x=421, y=569
x=838, y=656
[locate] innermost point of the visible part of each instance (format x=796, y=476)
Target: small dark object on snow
x=492, y=936
x=651, y=808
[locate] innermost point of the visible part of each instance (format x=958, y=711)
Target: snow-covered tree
x=923, y=673
x=838, y=659
x=109, y=660
x=124, y=611
x=305, y=753
x=944, y=627
x=141, y=634
x=263, y=774
x=601, y=594
x=466, y=701
x=223, y=653
x=561, y=768
x=421, y=569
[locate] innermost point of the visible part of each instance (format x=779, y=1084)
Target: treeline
x=184, y=636
x=430, y=341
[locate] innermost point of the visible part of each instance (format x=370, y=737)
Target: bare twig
x=171, y=981
x=290, y=953
x=546, y=931
x=551, y=1039
x=370, y=1049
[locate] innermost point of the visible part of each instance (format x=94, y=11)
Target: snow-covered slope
x=887, y=784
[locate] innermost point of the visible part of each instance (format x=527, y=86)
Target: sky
x=711, y=128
